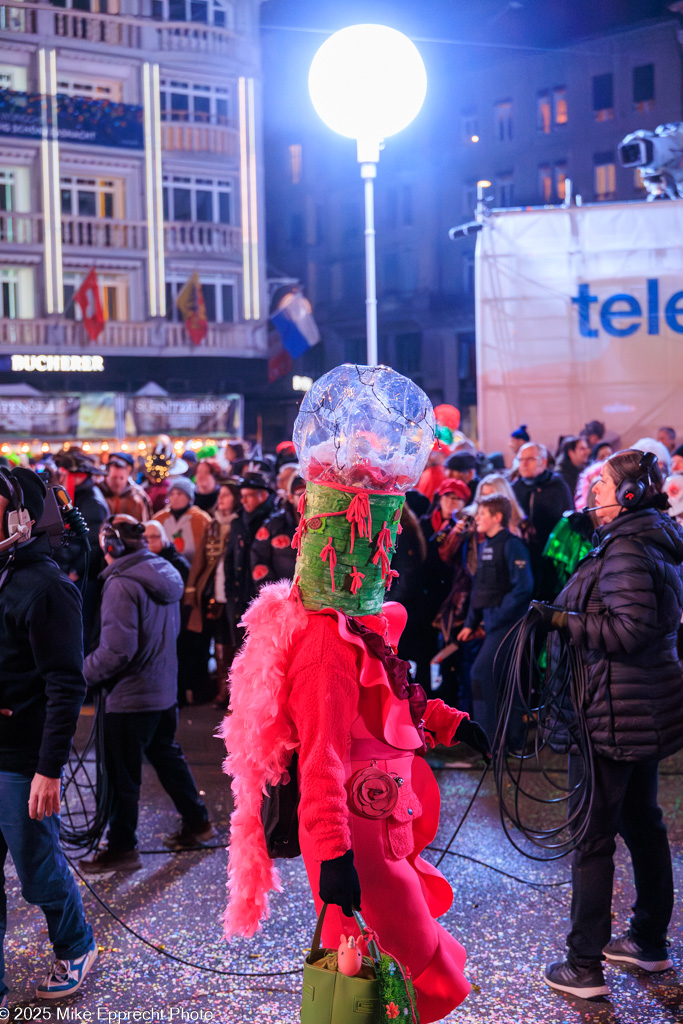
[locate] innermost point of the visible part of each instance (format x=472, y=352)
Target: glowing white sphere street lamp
x=368, y=82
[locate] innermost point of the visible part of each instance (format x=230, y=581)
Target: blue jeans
x=43, y=872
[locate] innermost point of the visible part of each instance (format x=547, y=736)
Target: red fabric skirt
x=401, y=893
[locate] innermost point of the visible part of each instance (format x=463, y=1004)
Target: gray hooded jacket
x=136, y=661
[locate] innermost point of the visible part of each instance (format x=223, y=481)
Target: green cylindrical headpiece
x=362, y=436
x=345, y=539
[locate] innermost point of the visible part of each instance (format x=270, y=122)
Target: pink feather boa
x=259, y=736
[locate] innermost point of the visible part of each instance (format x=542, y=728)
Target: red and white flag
x=88, y=298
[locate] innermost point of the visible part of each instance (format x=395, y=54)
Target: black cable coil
x=86, y=793
x=541, y=729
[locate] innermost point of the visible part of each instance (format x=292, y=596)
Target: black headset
x=630, y=492
x=111, y=541
x=19, y=520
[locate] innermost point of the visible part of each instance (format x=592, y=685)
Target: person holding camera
x=622, y=610
x=41, y=693
x=136, y=664
x=501, y=589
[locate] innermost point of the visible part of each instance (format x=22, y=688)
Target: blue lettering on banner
x=621, y=315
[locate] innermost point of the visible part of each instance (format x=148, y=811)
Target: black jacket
x=240, y=587
x=625, y=601
x=172, y=555
x=41, y=663
x=543, y=503
x=272, y=556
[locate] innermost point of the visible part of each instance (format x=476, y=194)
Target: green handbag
x=330, y=997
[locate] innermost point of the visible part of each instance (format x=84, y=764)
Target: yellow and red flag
x=190, y=302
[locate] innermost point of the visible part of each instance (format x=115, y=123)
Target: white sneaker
x=66, y=976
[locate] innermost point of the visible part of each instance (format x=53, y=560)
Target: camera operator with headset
x=621, y=610
x=41, y=692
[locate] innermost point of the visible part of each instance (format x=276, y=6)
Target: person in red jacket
x=319, y=675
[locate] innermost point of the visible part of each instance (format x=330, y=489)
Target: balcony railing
x=21, y=228
x=186, y=236
x=100, y=233
x=199, y=138
x=122, y=338
x=189, y=37
x=127, y=31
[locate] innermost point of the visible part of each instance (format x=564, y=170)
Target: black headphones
x=111, y=541
x=19, y=520
x=630, y=492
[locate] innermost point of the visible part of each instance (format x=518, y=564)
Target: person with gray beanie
x=183, y=522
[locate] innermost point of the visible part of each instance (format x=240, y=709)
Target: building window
x=92, y=197
x=202, y=200
x=470, y=125
x=561, y=180
x=95, y=6
x=295, y=154
x=605, y=176
x=113, y=294
x=9, y=305
x=603, y=97
x=643, y=88
x=469, y=200
x=503, y=120
x=505, y=189
x=219, y=299
x=543, y=112
x=409, y=354
x=560, y=112
x=545, y=182
x=199, y=104
x=206, y=12
x=91, y=88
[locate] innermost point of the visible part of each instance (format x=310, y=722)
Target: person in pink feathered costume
x=319, y=675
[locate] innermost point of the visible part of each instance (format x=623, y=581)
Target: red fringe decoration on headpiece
x=329, y=550
x=358, y=513
x=384, y=546
x=356, y=580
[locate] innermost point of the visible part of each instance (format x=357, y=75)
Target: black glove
x=550, y=616
x=339, y=883
x=474, y=736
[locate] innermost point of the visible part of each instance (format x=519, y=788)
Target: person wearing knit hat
x=519, y=437
x=183, y=522
x=331, y=688
x=185, y=525
x=463, y=466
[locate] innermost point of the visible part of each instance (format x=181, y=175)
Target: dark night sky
x=475, y=33
x=546, y=22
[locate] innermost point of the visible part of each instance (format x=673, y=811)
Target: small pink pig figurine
x=349, y=957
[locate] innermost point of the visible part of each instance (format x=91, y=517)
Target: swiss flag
x=88, y=298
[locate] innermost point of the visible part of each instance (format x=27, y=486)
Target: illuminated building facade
x=131, y=141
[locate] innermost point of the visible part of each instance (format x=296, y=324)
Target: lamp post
x=368, y=82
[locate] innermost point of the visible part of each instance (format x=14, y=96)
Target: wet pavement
x=509, y=912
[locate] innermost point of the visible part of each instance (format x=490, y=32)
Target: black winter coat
x=240, y=587
x=272, y=556
x=543, y=503
x=625, y=601
x=41, y=663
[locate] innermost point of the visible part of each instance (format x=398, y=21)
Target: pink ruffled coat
x=332, y=700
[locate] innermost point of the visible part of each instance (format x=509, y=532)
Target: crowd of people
x=179, y=546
